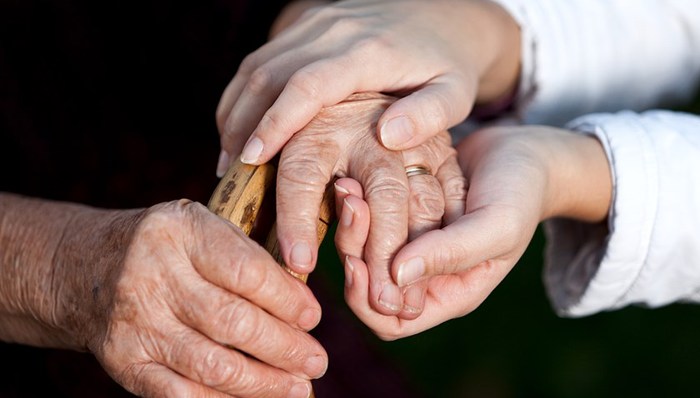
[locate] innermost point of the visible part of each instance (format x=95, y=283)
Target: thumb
x=437, y=106
x=474, y=238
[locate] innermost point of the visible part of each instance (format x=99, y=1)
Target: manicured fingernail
x=341, y=189
x=300, y=390
x=301, y=255
x=315, y=367
x=222, y=165
x=391, y=297
x=252, y=150
x=410, y=271
x=309, y=318
x=397, y=131
x=348, y=213
x=349, y=271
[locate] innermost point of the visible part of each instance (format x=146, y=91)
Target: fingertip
x=309, y=318
x=349, y=272
x=350, y=186
x=301, y=257
x=414, y=301
x=410, y=271
x=397, y=133
x=356, y=290
x=223, y=163
x=252, y=151
x=390, y=300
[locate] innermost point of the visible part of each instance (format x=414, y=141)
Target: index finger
x=223, y=255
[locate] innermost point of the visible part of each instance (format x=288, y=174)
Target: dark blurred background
x=112, y=104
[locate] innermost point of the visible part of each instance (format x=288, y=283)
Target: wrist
x=53, y=256
x=86, y=264
x=580, y=179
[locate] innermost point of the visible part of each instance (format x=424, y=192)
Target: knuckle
x=273, y=121
x=307, y=83
x=303, y=171
x=451, y=253
x=242, y=323
x=427, y=205
x=455, y=188
x=386, y=189
x=246, y=278
x=373, y=44
x=249, y=64
x=346, y=24
x=221, y=372
x=260, y=80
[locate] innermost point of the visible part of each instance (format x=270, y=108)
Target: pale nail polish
x=252, y=150
x=222, y=165
x=411, y=271
x=396, y=132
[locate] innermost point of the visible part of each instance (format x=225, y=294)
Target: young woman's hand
x=441, y=56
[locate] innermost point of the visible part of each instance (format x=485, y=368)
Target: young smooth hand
x=440, y=56
x=517, y=177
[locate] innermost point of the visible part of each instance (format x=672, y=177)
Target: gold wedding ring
x=417, y=170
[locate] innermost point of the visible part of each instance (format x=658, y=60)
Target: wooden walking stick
x=241, y=195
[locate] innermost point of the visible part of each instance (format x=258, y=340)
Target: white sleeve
x=649, y=253
x=585, y=56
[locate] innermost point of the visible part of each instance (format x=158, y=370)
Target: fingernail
x=410, y=271
x=413, y=300
x=252, y=150
x=349, y=271
x=300, y=390
x=341, y=189
x=348, y=213
x=315, y=367
x=301, y=255
x=222, y=165
x=309, y=318
x=397, y=131
x=391, y=297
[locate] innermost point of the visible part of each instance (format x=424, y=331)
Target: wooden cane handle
x=239, y=198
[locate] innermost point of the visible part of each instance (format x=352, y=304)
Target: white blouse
x=583, y=56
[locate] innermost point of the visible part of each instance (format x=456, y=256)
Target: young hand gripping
x=517, y=178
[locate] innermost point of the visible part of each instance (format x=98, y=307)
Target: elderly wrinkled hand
x=340, y=142
x=172, y=300
x=517, y=177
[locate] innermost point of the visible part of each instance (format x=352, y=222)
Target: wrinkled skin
x=341, y=142
x=193, y=294
x=517, y=177
x=172, y=300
